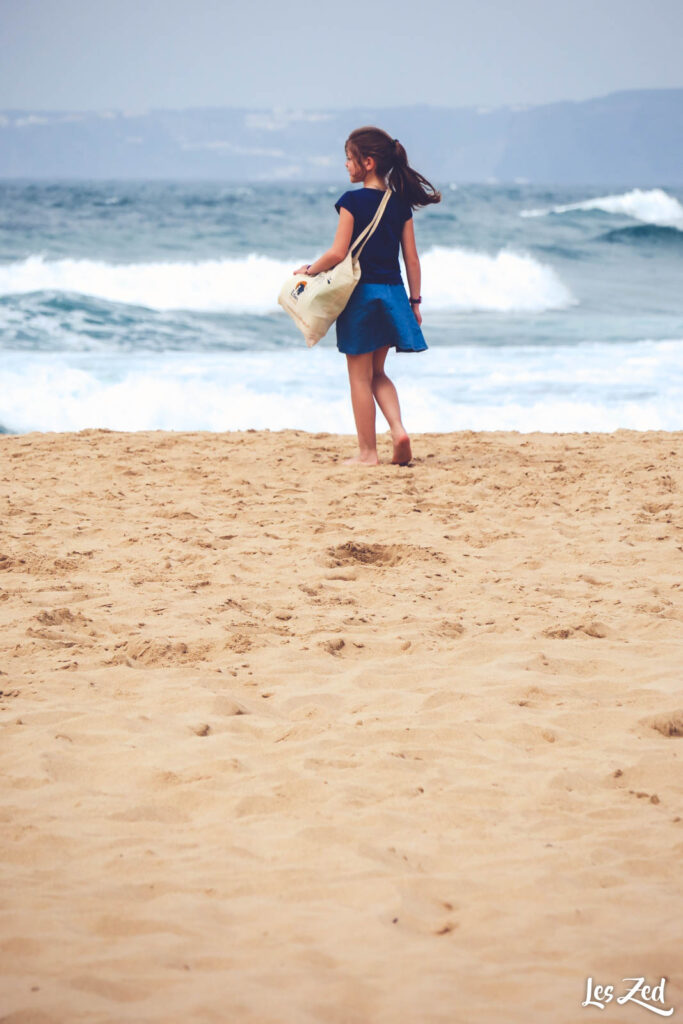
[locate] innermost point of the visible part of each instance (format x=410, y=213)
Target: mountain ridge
x=628, y=137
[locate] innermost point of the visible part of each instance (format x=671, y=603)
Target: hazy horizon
x=331, y=108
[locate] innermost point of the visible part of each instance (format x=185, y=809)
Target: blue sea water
x=144, y=305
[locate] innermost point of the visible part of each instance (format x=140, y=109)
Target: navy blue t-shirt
x=379, y=258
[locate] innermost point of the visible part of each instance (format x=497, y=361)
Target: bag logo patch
x=298, y=290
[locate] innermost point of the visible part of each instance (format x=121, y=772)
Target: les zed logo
x=600, y=995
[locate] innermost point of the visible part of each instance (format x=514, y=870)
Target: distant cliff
x=627, y=138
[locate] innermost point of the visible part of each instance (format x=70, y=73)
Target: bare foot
x=402, y=451
x=362, y=460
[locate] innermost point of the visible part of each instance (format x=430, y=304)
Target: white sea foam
x=454, y=279
x=651, y=206
x=243, y=285
x=507, y=282
x=600, y=387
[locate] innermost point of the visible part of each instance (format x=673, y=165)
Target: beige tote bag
x=314, y=303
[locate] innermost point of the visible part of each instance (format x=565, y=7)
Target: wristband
x=415, y=302
x=308, y=269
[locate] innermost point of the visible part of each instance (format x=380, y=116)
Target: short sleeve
x=407, y=211
x=348, y=202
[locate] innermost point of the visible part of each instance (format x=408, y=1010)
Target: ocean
x=152, y=305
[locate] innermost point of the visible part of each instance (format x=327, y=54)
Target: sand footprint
x=670, y=723
x=361, y=553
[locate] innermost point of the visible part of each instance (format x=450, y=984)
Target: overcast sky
x=138, y=54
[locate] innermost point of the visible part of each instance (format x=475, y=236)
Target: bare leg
x=387, y=399
x=363, y=402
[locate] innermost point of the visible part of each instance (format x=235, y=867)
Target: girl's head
x=370, y=149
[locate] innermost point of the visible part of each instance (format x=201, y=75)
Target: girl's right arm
x=412, y=264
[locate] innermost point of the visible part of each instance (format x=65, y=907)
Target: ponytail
x=392, y=164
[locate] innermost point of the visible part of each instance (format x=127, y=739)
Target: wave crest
x=508, y=282
x=243, y=285
x=454, y=279
x=652, y=206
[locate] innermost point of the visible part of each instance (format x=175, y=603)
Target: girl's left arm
x=338, y=250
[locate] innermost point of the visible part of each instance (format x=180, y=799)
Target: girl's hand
x=416, y=311
x=302, y=270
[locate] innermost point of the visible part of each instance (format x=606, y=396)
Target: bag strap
x=365, y=234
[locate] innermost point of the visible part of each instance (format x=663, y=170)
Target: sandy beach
x=290, y=742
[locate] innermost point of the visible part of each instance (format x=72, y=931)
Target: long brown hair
x=392, y=163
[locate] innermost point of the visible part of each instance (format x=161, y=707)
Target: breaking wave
x=652, y=206
x=456, y=279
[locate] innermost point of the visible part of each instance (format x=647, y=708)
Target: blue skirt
x=377, y=315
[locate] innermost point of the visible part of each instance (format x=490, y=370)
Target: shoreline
x=298, y=431
x=281, y=742
x=456, y=388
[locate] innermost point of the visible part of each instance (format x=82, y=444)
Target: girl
x=379, y=315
